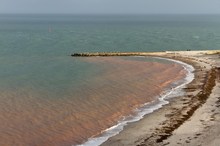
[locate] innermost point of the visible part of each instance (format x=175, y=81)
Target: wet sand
x=191, y=119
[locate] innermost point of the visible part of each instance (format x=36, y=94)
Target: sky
x=111, y=6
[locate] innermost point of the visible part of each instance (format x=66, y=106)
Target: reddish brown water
x=121, y=86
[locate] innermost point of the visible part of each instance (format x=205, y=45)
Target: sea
x=49, y=98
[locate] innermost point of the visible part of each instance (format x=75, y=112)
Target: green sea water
x=40, y=44
x=35, y=49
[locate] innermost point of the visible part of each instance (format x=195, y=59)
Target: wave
x=146, y=108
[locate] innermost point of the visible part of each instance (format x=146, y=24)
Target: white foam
x=146, y=108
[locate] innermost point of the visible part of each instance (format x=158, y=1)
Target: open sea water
x=49, y=98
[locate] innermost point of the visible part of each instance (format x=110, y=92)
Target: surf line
x=147, y=108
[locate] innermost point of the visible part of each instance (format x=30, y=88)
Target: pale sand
x=187, y=120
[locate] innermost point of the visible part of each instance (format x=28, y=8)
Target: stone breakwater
x=172, y=53
x=108, y=54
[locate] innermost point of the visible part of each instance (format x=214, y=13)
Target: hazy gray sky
x=110, y=6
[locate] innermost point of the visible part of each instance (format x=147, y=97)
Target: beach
x=191, y=119
x=49, y=98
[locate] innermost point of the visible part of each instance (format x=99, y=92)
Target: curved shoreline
x=147, y=108
x=159, y=128
x=162, y=126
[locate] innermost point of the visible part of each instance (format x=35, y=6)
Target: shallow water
x=120, y=86
x=50, y=98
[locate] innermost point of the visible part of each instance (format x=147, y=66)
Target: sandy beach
x=191, y=119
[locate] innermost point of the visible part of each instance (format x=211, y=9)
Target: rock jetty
x=108, y=54
x=182, y=53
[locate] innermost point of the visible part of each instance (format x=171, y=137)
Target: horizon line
x=109, y=14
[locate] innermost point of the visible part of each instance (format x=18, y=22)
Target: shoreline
x=162, y=126
x=147, y=108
